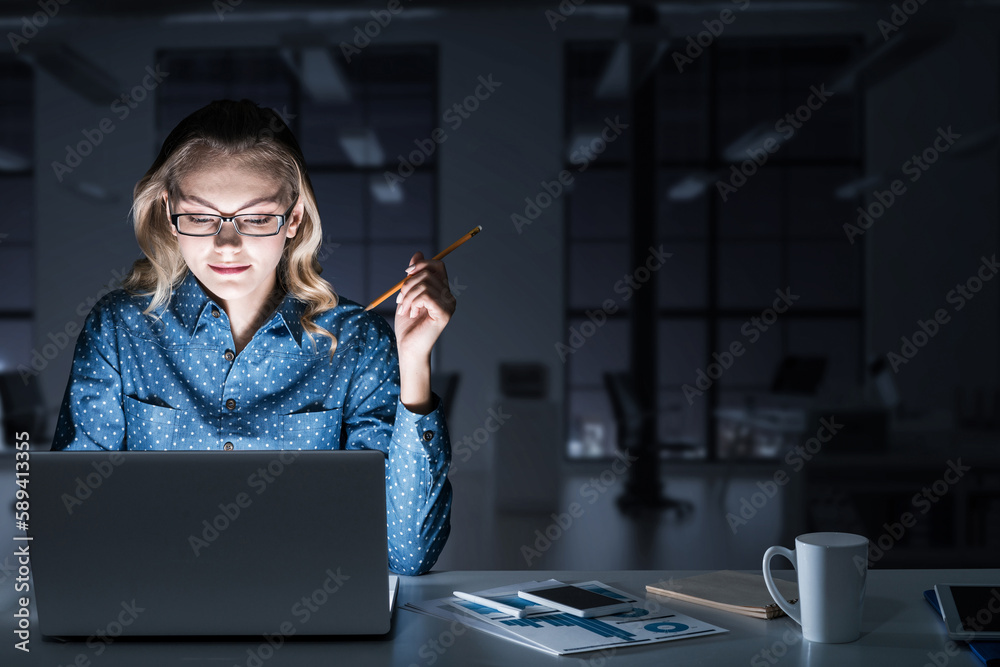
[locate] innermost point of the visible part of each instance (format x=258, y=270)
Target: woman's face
x=233, y=268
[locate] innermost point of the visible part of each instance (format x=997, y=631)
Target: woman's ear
x=165, y=200
x=294, y=218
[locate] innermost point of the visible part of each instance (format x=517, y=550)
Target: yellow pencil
x=441, y=254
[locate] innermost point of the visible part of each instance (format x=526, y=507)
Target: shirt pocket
x=150, y=426
x=311, y=430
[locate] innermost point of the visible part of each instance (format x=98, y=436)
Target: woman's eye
x=194, y=219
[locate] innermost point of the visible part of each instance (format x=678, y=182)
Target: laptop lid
x=210, y=543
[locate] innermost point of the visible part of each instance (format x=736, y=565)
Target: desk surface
x=899, y=628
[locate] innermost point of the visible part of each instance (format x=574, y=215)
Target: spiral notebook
x=739, y=592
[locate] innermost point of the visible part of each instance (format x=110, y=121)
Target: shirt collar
x=190, y=305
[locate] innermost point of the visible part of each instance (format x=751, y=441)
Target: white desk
x=899, y=628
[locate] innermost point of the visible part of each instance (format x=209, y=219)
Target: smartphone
x=509, y=604
x=577, y=601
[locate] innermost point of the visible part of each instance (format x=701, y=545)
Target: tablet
x=971, y=611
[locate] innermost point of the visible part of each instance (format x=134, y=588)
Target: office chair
x=643, y=488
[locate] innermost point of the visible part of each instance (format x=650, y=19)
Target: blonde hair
x=250, y=137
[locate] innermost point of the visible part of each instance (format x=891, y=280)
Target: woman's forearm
x=415, y=383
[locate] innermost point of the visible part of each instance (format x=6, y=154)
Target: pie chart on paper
x=666, y=627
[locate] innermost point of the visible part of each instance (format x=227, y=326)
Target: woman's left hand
x=424, y=306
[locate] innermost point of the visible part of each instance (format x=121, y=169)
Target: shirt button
x=215, y=313
x=428, y=435
x=228, y=446
x=231, y=404
x=229, y=355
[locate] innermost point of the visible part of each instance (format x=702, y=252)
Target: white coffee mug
x=832, y=571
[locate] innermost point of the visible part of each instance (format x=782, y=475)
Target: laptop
x=175, y=543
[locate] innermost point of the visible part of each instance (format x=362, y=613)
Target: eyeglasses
x=246, y=224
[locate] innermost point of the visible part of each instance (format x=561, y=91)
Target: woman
x=225, y=337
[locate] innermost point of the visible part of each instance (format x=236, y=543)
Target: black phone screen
x=578, y=598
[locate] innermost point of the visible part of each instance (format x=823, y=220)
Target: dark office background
x=677, y=341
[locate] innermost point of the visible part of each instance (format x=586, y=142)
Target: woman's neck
x=249, y=320
x=250, y=313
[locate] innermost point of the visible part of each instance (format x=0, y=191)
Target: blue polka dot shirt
x=176, y=384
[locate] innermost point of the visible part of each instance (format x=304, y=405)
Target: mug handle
x=791, y=609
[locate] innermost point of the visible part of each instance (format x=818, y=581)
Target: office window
x=17, y=225
x=353, y=121
x=738, y=243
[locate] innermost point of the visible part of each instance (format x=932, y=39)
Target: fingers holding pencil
x=426, y=287
x=424, y=308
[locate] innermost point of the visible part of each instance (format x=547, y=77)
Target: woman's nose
x=228, y=235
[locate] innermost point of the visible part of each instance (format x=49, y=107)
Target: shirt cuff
x=421, y=433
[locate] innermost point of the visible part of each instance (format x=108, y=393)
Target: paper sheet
x=560, y=633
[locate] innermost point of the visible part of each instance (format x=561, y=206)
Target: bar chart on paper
x=599, y=628
x=561, y=633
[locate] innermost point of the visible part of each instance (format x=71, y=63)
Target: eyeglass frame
x=282, y=217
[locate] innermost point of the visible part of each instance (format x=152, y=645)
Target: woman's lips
x=228, y=269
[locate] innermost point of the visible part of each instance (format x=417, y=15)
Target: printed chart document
x=560, y=633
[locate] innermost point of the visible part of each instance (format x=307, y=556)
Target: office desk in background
x=899, y=628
